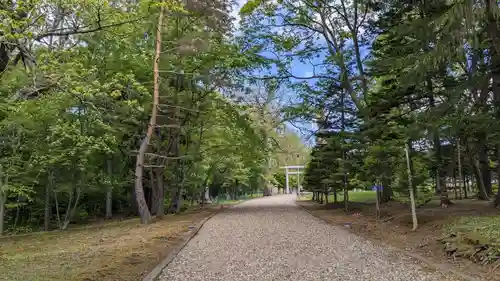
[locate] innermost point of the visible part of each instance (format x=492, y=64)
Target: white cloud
x=235, y=12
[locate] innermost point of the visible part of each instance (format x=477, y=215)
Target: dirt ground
x=113, y=251
x=395, y=223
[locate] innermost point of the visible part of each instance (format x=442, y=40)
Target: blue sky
x=298, y=69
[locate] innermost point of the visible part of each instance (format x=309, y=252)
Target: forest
x=115, y=109
x=420, y=74
x=108, y=112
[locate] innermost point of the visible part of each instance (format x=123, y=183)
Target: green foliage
x=429, y=82
x=76, y=93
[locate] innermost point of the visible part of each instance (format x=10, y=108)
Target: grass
x=485, y=227
x=472, y=220
x=109, y=251
x=359, y=196
x=123, y=250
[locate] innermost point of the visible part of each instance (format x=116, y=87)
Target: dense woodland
x=122, y=108
x=390, y=77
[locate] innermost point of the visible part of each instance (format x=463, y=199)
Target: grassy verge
x=108, y=251
x=474, y=237
x=486, y=227
x=122, y=250
x=474, y=223
x=359, y=196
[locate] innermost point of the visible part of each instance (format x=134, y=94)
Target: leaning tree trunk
x=144, y=213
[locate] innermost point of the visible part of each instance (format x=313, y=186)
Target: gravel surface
x=273, y=239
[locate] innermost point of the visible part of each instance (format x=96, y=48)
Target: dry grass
x=124, y=251
x=394, y=227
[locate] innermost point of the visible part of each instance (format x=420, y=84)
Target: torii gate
x=297, y=172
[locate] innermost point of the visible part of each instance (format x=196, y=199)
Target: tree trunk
x=410, y=190
x=494, y=36
x=235, y=190
x=455, y=187
x=70, y=212
x=460, y=170
x=484, y=165
x=465, y=187
x=153, y=193
x=47, y=208
x=440, y=182
x=18, y=212
x=482, y=194
x=387, y=193
x=142, y=206
x=58, y=215
x=346, y=200
x=160, y=187
x=109, y=191
x=3, y=200
x=144, y=213
x=173, y=198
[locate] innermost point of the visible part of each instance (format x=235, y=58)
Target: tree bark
x=387, y=193
x=160, y=186
x=109, y=191
x=410, y=190
x=144, y=213
x=460, y=170
x=47, y=209
x=70, y=212
x=484, y=165
x=153, y=200
x=142, y=206
x=482, y=194
x=3, y=200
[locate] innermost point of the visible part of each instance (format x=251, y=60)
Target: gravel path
x=273, y=239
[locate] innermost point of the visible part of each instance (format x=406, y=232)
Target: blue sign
x=377, y=187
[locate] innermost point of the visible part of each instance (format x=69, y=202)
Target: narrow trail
x=273, y=239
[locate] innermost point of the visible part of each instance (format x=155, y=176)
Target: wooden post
x=378, y=201
x=410, y=189
x=287, y=181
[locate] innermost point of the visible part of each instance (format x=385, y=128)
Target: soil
x=395, y=223
x=124, y=251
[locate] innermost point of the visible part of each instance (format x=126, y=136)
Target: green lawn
x=487, y=227
x=359, y=196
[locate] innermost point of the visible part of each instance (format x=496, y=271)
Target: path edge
x=426, y=261
x=156, y=272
